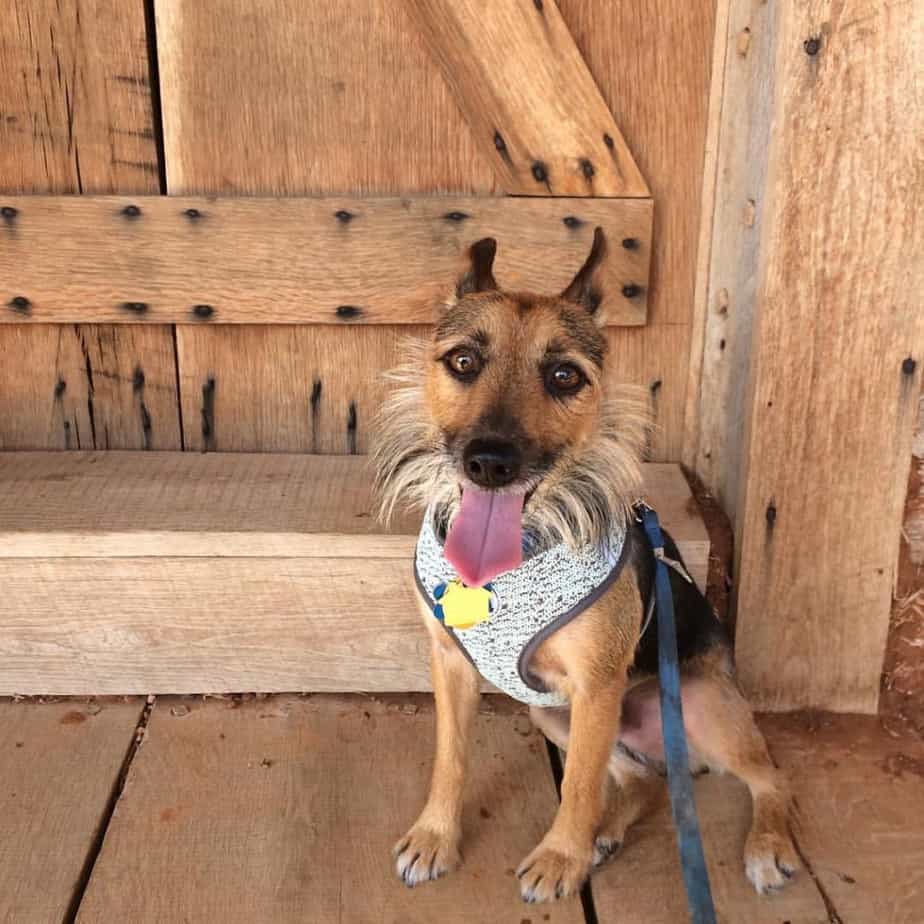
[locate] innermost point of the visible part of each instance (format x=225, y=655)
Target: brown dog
x=503, y=433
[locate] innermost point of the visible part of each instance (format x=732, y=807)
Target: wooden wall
x=246, y=105
x=813, y=334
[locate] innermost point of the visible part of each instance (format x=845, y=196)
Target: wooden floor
x=284, y=808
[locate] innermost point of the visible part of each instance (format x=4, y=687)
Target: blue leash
x=679, y=779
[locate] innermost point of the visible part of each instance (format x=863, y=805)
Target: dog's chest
x=519, y=609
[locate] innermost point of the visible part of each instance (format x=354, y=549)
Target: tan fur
x=596, y=444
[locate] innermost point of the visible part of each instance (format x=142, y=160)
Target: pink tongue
x=485, y=537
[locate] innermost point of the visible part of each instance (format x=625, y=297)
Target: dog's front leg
x=431, y=847
x=563, y=859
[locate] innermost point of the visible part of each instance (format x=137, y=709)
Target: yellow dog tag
x=461, y=607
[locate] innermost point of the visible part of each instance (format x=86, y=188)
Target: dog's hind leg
x=431, y=847
x=635, y=789
x=722, y=731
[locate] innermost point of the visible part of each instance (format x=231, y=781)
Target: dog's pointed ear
x=585, y=289
x=478, y=275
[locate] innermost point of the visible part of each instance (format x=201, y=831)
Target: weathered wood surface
x=651, y=60
x=89, y=386
x=839, y=334
x=861, y=816
x=324, y=260
x=75, y=117
x=108, y=505
x=643, y=884
x=59, y=768
x=318, y=98
x=730, y=246
x=528, y=97
x=286, y=809
x=157, y=572
x=75, y=103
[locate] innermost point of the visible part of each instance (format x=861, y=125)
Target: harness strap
x=679, y=779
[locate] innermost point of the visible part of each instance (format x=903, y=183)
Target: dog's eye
x=564, y=379
x=463, y=363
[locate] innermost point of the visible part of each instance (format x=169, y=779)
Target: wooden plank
x=643, y=884
x=838, y=371
x=861, y=816
x=89, y=387
x=75, y=105
x=529, y=98
x=659, y=97
x=111, y=505
x=75, y=116
x=141, y=572
x=285, y=388
x=80, y=626
x=276, y=261
x=319, y=98
x=59, y=766
x=733, y=243
x=324, y=786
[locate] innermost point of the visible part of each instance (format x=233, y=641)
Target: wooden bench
x=131, y=572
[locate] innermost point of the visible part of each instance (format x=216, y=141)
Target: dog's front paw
x=770, y=860
x=425, y=853
x=551, y=872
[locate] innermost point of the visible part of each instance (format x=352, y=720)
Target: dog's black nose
x=491, y=463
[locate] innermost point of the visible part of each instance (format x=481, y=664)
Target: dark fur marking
x=698, y=628
x=587, y=338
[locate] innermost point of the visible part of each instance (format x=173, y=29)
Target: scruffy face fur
x=525, y=374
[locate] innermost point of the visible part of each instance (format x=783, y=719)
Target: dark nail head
x=909, y=365
x=8, y=212
x=456, y=216
x=608, y=141
x=131, y=211
x=630, y=243
x=20, y=303
x=203, y=312
x=193, y=214
x=570, y=221
x=347, y=312
x=135, y=307
x=631, y=290
x=539, y=171
x=343, y=215
x=812, y=45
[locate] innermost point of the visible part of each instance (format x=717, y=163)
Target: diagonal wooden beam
x=532, y=104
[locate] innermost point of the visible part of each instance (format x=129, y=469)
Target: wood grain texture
x=317, y=98
x=838, y=370
x=168, y=572
x=75, y=104
x=732, y=247
x=652, y=62
x=110, y=505
x=286, y=809
x=75, y=117
x=325, y=260
x=528, y=97
x=858, y=788
x=643, y=884
x=59, y=766
x=88, y=387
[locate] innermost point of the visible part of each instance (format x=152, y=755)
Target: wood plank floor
x=59, y=767
x=284, y=808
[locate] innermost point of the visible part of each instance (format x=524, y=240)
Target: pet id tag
x=461, y=607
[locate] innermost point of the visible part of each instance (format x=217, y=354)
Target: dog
x=500, y=429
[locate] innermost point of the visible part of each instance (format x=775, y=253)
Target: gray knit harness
x=534, y=600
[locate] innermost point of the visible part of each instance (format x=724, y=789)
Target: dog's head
x=503, y=423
